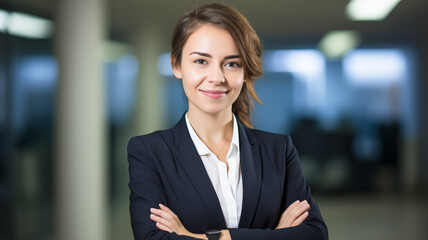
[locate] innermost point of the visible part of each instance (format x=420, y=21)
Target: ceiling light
x=335, y=44
x=370, y=10
x=25, y=25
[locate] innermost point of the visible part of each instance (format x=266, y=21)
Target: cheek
x=236, y=81
x=239, y=89
x=191, y=83
x=193, y=78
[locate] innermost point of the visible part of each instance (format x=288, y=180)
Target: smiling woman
x=246, y=41
x=212, y=173
x=211, y=71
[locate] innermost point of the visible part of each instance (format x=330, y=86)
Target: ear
x=176, y=69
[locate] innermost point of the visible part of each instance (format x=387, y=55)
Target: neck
x=211, y=128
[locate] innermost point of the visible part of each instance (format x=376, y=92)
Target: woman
x=212, y=171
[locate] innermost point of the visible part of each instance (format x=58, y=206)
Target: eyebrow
x=210, y=56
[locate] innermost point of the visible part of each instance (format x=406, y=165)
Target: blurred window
x=121, y=76
x=164, y=64
x=374, y=67
x=33, y=88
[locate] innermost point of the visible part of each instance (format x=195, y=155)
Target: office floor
x=375, y=217
x=348, y=217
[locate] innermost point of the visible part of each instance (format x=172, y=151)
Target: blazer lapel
x=192, y=163
x=251, y=176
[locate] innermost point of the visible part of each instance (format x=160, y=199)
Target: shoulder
x=280, y=143
x=161, y=141
x=269, y=137
x=151, y=140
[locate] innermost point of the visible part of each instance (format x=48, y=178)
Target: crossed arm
x=300, y=220
x=168, y=221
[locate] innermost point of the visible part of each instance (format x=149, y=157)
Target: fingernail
x=160, y=205
x=304, y=201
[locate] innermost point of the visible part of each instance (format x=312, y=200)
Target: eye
x=200, y=61
x=232, y=64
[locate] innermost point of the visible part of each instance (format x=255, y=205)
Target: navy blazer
x=165, y=167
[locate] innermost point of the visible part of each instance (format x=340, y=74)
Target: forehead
x=210, y=39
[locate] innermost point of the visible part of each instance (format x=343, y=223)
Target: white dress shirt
x=228, y=186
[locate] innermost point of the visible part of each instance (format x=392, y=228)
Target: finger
x=162, y=221
x=299, y=207
x=161, y=213
x=297, y=202
x=166, y=209
x=172, y=222
x=163, y=227
x=283, y=221
x=285, y=213
x=175, y=218
x=163, y=207
x=298, y=210
x=304, y=206
x=300, y=219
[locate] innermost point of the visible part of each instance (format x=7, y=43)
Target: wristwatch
x=213, y=234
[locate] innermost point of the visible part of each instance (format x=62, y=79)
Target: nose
x=216, y=75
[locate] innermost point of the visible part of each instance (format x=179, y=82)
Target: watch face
x=213, y=232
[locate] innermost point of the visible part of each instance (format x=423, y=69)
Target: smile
x=214, y=93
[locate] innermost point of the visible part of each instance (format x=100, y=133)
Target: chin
x=214, y=109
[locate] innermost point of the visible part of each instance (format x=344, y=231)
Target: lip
x=214, y=93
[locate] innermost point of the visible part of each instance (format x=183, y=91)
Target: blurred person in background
x=212, y=175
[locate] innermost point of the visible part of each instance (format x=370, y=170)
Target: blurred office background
x=79, y=78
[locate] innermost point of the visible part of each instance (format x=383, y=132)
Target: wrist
x=213, y=234
x=195, y=235
x=217, y=235
x=225, y=235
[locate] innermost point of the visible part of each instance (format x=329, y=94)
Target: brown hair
x=245, y=38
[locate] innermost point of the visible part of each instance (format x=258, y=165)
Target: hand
x=294, y=215
x=166, y=220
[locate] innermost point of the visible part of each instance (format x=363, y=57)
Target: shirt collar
x=202, y=148
x=235, y=135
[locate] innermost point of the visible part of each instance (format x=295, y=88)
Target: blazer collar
x=251, y=175
x=250, y=170
x=188, y=156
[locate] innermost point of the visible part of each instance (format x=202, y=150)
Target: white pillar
x=149, y=44
x=80, y=167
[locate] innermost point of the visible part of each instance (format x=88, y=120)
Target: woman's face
x=211, y=70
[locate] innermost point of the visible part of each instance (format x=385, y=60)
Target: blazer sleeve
x=295, y=189
x=147, y=191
